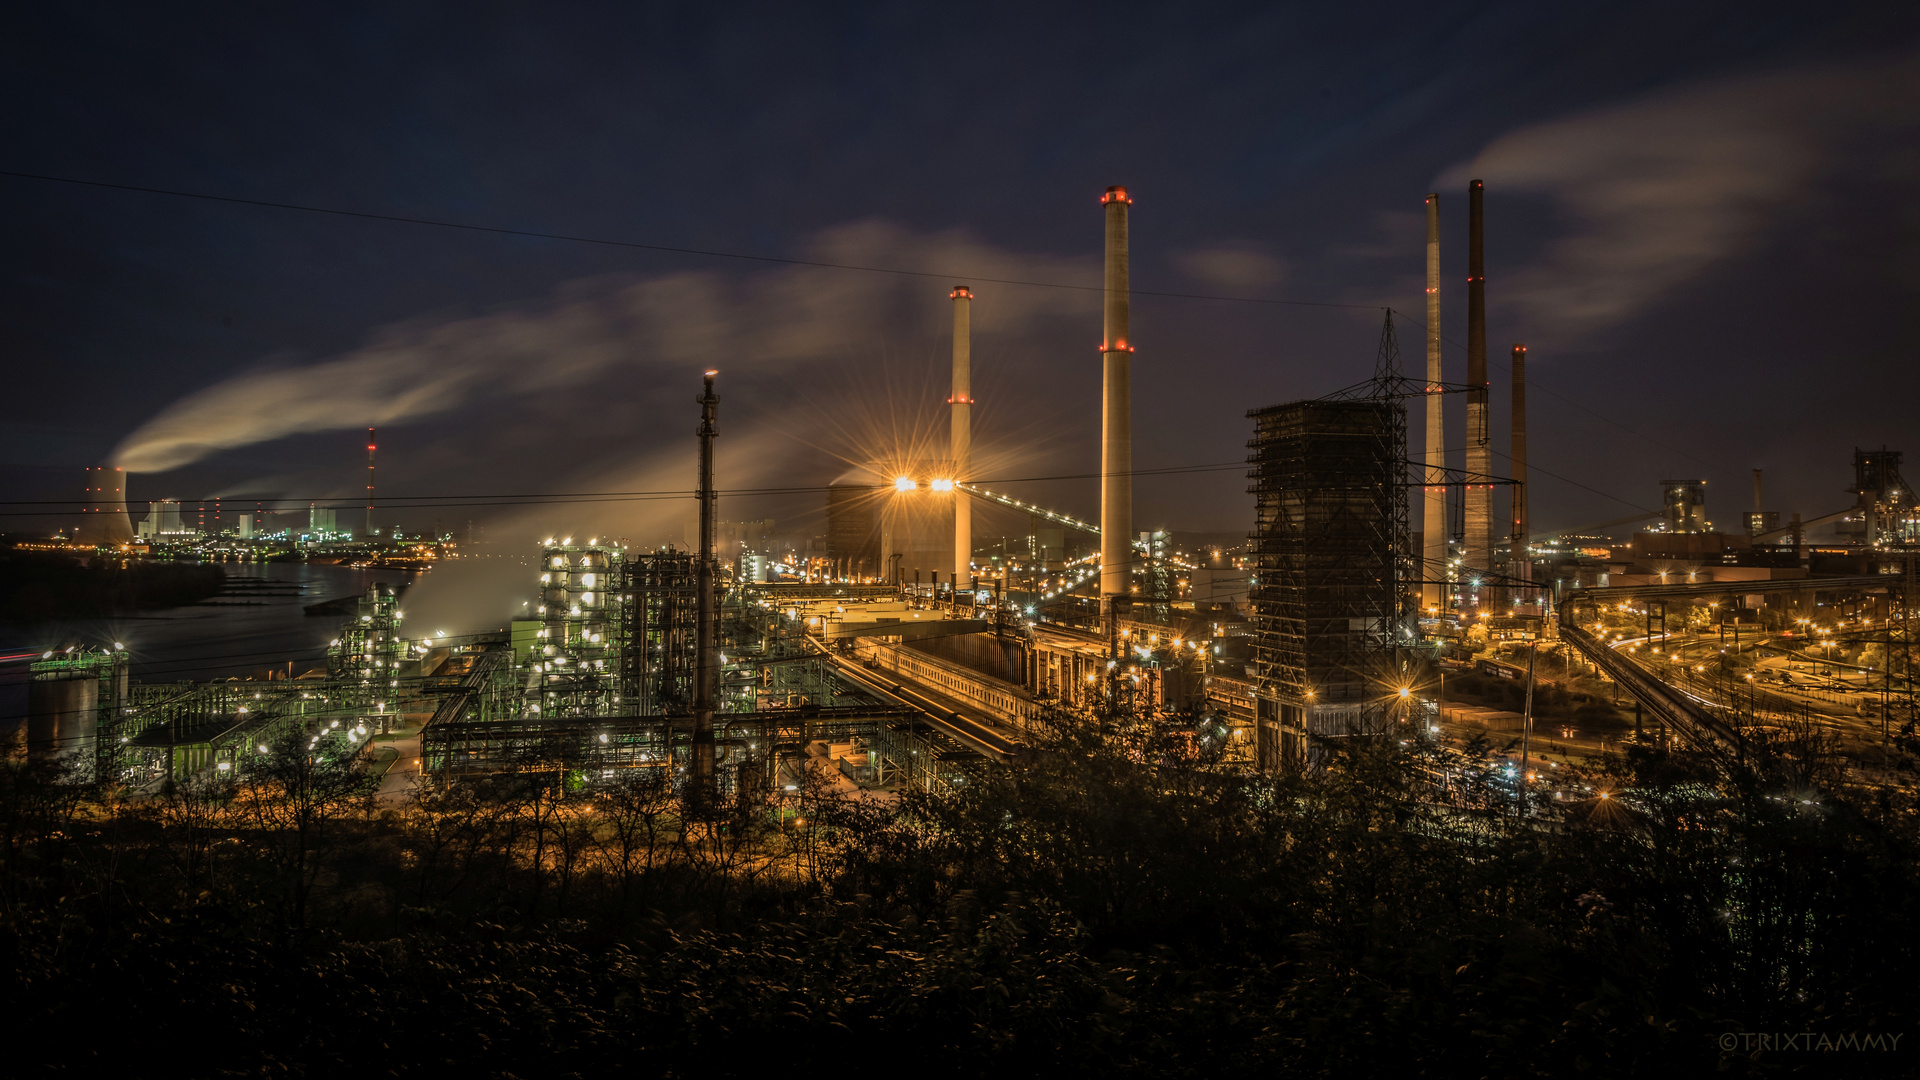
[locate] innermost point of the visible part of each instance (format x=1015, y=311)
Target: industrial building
x=1332, y=607
x=1685, y=505
x=895, y=522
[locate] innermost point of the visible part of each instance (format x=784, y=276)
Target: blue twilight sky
x=1702, y=219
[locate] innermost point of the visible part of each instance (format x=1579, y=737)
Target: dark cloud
x=786, y=318
x=1643, y=161
x=1655, y=193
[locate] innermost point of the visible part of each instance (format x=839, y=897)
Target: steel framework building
x=369, y=646
x=659, y=609
x=1334, y=590
x=577, y=665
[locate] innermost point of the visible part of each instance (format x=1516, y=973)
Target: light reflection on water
x=230, y=636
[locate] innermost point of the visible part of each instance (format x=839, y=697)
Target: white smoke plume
x=483, y=590
x=1659, y=190
x=681, y=321
x=1245, y=267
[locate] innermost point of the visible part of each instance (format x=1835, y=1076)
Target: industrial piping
x=961, y=446
x=1116, y=421
x=1433, y=521
x=1478, y=553
x=1518, y=565
x=706, y=680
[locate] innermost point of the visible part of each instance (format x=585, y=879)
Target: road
x=1783, y=683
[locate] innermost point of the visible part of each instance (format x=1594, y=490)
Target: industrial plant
x=908, y=647
x=1158, y=542
x=951, y=728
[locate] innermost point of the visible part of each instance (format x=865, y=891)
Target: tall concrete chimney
x=706, y=675
x=1478, y=553
x=1518, y=565
x=961, y=446
x=370, y=449
x=1757, y=504
x=1433, y=520
x=1116, y=419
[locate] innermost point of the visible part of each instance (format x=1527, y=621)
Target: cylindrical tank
x=62, y=713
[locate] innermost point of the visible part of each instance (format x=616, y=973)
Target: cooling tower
x=103, y=514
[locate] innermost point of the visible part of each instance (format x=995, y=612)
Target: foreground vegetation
x=1115, y=906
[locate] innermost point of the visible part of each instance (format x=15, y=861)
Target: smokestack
x=1757, y=504
x=1433, y=521
x=1116, y=421
x=370, y=449
x=1478, y=553
x=103, y=514
x=961, y=447
x=706, y=682
x=1518, y=565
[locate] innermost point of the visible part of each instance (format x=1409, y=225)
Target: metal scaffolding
x=1335, y=589
x=659, y=610
x=369, y=646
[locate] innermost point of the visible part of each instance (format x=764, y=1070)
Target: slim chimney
x=706, y=682
x=1433, y=522
x=370, y=449
x=1478, y=552
x=1757, y=504
x=1518, y=565
x=1116, y=422
x=961, y=448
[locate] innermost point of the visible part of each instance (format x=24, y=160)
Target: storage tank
x=62, y=714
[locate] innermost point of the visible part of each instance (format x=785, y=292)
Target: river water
x=239, y=635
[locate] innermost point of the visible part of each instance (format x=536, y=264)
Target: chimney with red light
x=1478, y=553
x=1116, y=418
x=1519, y=565
x=961, y=446
x=1433, y=519
x=370, y=449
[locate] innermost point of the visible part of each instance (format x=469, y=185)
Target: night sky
x=1702, y=219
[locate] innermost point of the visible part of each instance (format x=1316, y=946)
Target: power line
x=709, y=253
x=662, y=248
x=433, y=502
x=1624, y=502
x=1534, y=378
x=777, y=260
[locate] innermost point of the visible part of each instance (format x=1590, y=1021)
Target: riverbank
x=38, y=587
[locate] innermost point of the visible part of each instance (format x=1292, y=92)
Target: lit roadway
x=1691, y=654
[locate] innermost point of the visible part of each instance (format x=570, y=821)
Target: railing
x=1004, y=702
x=1667, y=702
x=454, y=708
